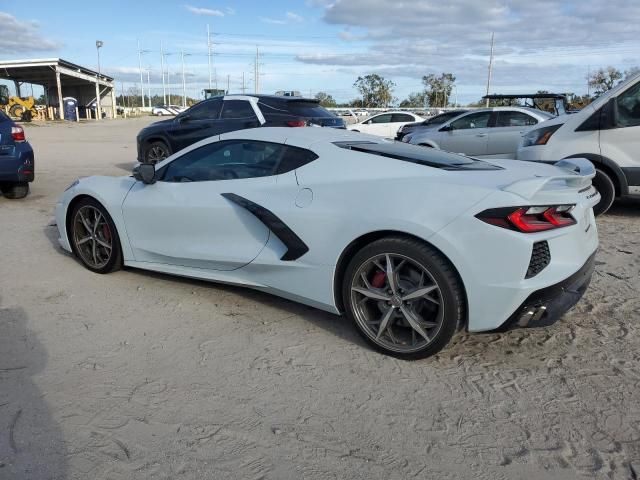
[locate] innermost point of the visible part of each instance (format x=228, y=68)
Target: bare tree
x=604, y=79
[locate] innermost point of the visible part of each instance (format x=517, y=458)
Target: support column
x=114, y=110
x=60, y=104
x=98, y=113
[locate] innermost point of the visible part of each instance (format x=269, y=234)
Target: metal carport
x=60, y=79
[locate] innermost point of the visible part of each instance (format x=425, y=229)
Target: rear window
x=416, y=154
x=308, y=109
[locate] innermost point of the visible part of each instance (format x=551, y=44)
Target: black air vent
x=540, y=258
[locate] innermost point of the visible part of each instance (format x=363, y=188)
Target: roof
x=41, y=71
x=496, y=96
x=260, y=96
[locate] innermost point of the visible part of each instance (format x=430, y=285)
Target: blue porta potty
x=70, y=105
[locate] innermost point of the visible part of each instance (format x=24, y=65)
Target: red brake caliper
x=106, y=232
x=378, y=279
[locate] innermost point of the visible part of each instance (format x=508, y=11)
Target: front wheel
x=607, y=190
x=156, y=152
x=404, y=297
x=94, y=238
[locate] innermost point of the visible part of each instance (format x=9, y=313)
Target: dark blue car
x=16, y=159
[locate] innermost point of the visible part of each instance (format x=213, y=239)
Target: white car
x=167, y=110
x=410, y=243
x=607, y=132
x=385, y=124
x=485, y=133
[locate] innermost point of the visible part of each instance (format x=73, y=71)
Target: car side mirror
x=446, y=128
x=184, y=118
x=145, y=173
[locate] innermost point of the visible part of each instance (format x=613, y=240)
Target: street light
x=99, y=44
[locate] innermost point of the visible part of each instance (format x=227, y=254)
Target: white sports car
x=410, y=243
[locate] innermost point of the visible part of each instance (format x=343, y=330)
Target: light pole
x=99, y=44
x=149, y=83
x=184, y=82
x=140, y=52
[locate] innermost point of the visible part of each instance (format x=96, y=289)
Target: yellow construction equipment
x=23, y=108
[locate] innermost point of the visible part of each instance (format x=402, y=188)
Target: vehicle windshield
x=416, y=154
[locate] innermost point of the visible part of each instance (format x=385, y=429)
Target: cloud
x=289, y=18
x=204, y=11
x=230, y=11
x=18, y=36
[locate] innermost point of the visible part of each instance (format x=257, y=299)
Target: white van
x=607, y=132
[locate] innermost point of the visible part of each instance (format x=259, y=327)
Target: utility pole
x=184, y=84
x=141, y=79
x=227, y=83
x=164, y=89
x=256, y=72
x=490, y=68
x=588, y=81
x=244, y=89
x=99, y=44
x=149, y=83
x=209, y=52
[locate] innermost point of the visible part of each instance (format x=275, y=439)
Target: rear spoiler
x=579, y=172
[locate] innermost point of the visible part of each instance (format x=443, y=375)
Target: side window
x=514, y=119
x=386, y=118
x=206, y=110
x=402, y=117
x=473, y=120
x=295, y=157
x=234, y=159
x=629, y=107
x=237, y=109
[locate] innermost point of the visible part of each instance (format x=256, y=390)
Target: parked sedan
x=16, y=159
x=385, y=124
x=428, y=124
x=222, y=114
x=319, y=216
x=489, y=132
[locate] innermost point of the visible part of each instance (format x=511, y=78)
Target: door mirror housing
x=145, y=173
x=184, y=118
x=447, y=128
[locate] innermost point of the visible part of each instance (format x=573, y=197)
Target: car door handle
x=481, y=135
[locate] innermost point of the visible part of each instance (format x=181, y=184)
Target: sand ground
x=144, y=376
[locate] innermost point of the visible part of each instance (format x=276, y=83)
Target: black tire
x=16, y=111
x=439, y=322
x=156, y=152
x=607, y=190
x=110, y=260
x=15, y=191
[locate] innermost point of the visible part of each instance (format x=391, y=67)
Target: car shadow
x=51, y=233
x=626, y=207
x=31, y=442
x=336, y=325
x=127, y=166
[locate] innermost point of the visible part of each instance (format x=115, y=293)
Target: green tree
x=604, y=79
x=376, y=91
x=326, y=100
x=415, y=99
x=438, y=88
x=632, y=72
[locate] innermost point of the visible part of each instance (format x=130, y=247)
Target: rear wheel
x=403, y=296
x=607, y=190
x=16, y=111
x=15, y=190
x=94, y=238
x=156, y=152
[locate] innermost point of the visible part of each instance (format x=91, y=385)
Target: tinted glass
x=402, y=117
x=207, y=109
x=237, y=109
x=308, y=109
x=514, y=119
x=629, y=107
x=416, y=154
x=386, y=118
x=230, y=160
x=295, y=157
x=473, y=120
x=443, y=117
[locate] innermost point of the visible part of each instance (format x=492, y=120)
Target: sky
x=324, y=45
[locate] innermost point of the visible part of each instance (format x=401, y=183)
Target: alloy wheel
x=156, y=154
x=92, y=236
x=397, y=303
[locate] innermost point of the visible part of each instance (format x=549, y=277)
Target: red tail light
x=296, y=123
x=17, y=133
x=529, y=219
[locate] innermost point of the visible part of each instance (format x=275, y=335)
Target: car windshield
x=416, y=154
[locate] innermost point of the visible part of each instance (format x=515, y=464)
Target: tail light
x=296, y=123
x=529, y=219
x=17, y=133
